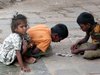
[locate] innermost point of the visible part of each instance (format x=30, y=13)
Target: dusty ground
x=51, y=12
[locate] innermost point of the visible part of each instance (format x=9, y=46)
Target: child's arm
x=20, y=61
x=36, y=50
x=96, y=36
x=92, y=47
x=24, y=46
x=85, y=39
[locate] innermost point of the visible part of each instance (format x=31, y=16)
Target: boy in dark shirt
x=87, y=24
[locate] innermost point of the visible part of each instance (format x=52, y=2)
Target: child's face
x=85, y=27
x=22, y=27
x=56, y=38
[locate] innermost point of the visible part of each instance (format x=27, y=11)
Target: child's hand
x=76, y=51
x=73, y=47
x=25, y=69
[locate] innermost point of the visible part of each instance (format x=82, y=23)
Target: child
x=41, y=36
x=87, y=24
x=14, y=46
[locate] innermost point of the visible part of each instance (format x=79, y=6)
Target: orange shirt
x=41, y=36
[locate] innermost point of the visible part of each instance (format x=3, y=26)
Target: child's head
x=59, y=32
x=86, y=21
x=19, y=24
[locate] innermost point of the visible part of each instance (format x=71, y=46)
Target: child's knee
x=91, y=55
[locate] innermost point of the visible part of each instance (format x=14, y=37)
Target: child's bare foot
x=30, y=60
x=25, y=69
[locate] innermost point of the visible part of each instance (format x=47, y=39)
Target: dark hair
x=61, y=30
x=85, y=18
x=16, y=21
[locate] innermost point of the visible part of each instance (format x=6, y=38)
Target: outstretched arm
x=85, y=39
x=20, y=61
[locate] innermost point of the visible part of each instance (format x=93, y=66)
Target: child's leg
x=47, y=53
x=30, y=60
x=82, y=46
x=93, y=54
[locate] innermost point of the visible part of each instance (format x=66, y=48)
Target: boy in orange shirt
x=42, y=36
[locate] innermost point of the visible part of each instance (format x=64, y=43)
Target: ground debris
x=64, y=55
